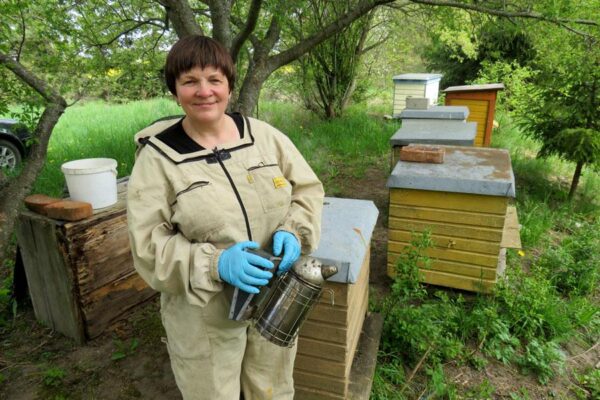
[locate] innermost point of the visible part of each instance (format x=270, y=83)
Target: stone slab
x=417, y=103
x=365, y=359
x=474, y=170
x=417, y=77
x=346, y=229
x=458, y=134
x=475, y=88
x=437, y=112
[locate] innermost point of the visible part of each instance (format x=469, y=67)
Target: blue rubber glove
x=287, y=242
x=241, y=269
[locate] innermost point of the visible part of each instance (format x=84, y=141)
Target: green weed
x=53, y=377
x=124, y=349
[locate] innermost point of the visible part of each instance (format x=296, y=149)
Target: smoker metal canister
x=280, y=317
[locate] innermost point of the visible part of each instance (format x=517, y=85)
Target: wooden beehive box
x=463, y=203
x=481, y=100
x=80, y=274
x=414, y=85
x=328, y=339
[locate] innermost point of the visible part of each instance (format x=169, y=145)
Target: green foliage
x=574, y=144
x=124, y=349
x=540, y=358
x=460, y=51
x=590, y=381
x=53, y=377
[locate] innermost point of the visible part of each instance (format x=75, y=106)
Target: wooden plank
x=303, y=393
x=110, y=303
x=511, y=236
x=318, y=348
x=325, y=367
x=462, y=269
x=328, y=313
x=460, y=256
x=449, y=201
x=447, y=229
x=49, y=277
x=363, y=364
x=354, y=332
x=445, y=215
x=101, y=254
x=458, y=282
x=338, y=386
x=449, y=242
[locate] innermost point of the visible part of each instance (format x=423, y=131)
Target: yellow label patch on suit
x=279, y=182
x=250, y=178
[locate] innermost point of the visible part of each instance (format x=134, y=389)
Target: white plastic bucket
x=93, y=180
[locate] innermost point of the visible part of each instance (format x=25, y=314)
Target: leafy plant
x=124, y=349
x=539, y=358
x=54, y=377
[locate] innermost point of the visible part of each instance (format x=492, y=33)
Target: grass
x=344, y=146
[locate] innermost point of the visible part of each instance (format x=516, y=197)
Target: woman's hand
x=291, y=249
x=242, y=269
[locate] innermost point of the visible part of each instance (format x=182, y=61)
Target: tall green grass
x=96, y=129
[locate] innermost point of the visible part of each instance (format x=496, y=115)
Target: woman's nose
x=203, y=89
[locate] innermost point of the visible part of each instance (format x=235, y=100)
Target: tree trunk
x=14, y=190
x=247, y=99
x=575, y=180
x=181, y=16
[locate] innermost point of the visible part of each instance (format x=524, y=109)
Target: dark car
x=14, y=138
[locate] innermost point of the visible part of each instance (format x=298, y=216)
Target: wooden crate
x=80, y=274
x=328, y=339
x=414, y=85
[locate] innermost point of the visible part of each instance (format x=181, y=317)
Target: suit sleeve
x=304, y=216
x=162, y=255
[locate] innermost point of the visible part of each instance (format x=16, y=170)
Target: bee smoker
x=281, y=307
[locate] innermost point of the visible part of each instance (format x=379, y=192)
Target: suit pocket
x=271, y=186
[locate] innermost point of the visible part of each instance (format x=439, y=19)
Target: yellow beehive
x=481, y=100
x=463, y=203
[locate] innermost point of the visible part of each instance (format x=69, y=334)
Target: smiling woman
x=196, y=203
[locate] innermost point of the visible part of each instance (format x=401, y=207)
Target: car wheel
x=10, y=156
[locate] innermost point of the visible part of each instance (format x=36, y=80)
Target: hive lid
x=458, y=134
x=418, y=77
x=475, y=170
x=437, y=112
x=346, y=229
x=475, y=88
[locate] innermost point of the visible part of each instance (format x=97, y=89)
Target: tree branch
x=13, y=193
x=504, y=13
x=181, y=16
x=248, y=28
x=137, y=24
x=296, y=51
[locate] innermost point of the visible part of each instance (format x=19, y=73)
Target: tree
x=57, y=43
x=563, y=110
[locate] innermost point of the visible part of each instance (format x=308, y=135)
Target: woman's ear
x=176, y=100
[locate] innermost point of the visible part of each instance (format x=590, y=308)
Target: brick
x=37, y=202
x=68, y=210
x=424, y=154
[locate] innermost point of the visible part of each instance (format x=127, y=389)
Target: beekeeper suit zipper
x=221, y=155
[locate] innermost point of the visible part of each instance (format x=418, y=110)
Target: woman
x=204, y=188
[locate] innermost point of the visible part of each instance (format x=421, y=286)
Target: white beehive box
x=414, y=85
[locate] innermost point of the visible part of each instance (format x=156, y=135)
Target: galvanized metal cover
x=437, y=112
x=474, y=170
x=455, y=134
x=346, y=230
x=416, y=77
x=475, y=88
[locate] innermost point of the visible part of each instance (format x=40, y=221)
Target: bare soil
x=131, y=362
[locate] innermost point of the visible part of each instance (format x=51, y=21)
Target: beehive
x=414, y=85
x=435, y=125
x=481, y=100
x=328, y=339
x=80, y=274
x=463, y=203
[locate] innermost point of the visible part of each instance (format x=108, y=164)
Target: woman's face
x=203, y=94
